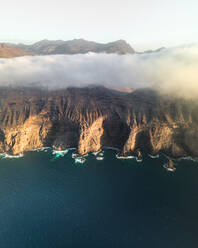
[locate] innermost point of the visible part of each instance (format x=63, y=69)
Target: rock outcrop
x=94, y=117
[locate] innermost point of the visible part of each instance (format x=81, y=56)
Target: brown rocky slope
x=94, y=117
x=11, y=51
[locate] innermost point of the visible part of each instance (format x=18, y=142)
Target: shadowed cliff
x=93, y=117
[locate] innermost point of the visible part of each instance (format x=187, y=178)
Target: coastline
x=62, y=153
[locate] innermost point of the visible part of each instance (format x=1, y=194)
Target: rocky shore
x=95, y=117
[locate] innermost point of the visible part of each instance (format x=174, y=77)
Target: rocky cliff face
x=91, y=118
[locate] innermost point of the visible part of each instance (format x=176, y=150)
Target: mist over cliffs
x=66, y=101
x=170, y=71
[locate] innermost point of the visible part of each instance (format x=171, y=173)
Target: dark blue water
x=101, y=204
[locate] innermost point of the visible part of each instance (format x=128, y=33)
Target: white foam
x=40, y=149
x=125, y=157
x=63, y=152
x=188, y=158
x=96, y=153
x=59, y=154
x=151, y=156
x=5, y=155
x=80, y=160
x=99, y=158
x=72, y=148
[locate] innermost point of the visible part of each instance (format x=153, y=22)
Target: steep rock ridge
x=90, y=136
x=93, y=117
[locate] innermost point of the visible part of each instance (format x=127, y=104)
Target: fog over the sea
x=173, y=71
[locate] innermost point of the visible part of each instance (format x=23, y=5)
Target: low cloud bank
x=172, y=71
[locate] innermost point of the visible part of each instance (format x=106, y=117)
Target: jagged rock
x=94, y=117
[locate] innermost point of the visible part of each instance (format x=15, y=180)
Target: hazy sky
x=143, y=23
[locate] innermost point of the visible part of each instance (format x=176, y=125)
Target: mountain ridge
x=76, y=46
x=79, y=46
x=93, y=117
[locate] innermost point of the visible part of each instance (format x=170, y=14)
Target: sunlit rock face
x=93, y=117
x=12, y=51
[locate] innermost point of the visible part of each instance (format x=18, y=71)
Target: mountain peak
x=77, y=46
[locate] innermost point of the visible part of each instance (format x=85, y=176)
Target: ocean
x=48, y=201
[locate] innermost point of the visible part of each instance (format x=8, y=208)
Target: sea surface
x=48, y=201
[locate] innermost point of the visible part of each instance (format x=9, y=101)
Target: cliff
x=94, y=117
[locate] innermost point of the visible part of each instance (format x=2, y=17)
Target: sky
x=145, y=24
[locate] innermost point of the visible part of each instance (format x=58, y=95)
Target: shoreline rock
x=95, y=117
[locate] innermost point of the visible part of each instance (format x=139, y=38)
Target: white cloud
x=173, y=70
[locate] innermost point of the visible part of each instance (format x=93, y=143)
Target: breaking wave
x=5, y=155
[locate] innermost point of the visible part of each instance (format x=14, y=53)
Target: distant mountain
x=77, y=46
x=153, y=51
x=11, y=51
